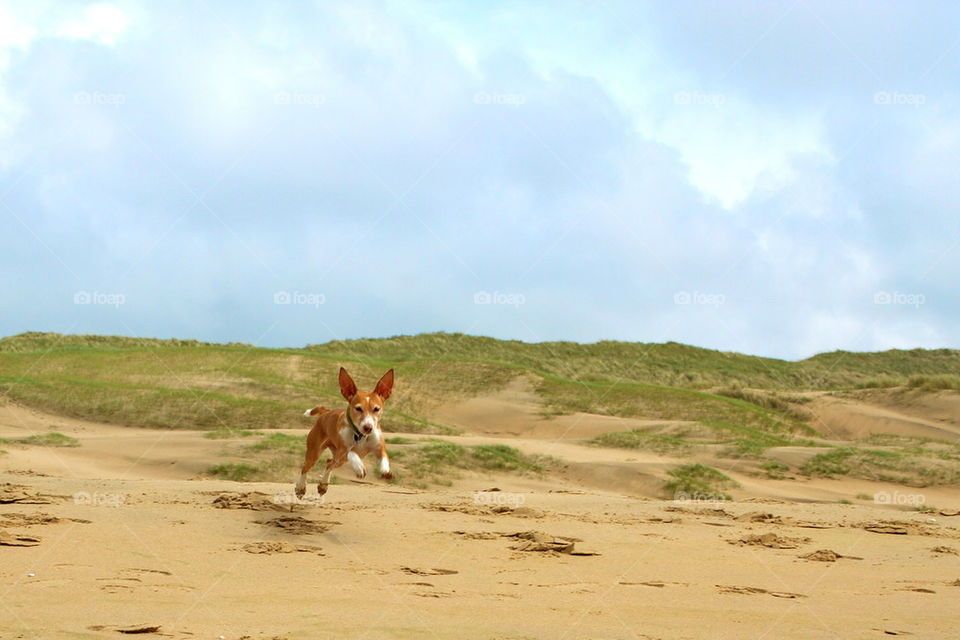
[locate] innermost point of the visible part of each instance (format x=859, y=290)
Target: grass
x=190, y=384
x=276, y=457
x=903, y=466
x=224, y=433
x=769, y=400
x=280, y=442
x=51, y=439
x=934, y=382
x=775, y=470
x=742, y=403
x=698, y=481
x=438, y=462
x=235, y=471
x=638, y=439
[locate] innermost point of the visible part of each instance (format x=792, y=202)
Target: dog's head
x=366, y=408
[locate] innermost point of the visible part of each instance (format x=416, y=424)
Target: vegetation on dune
x=699, y=482
x=51, y=439
x=737, y=406
x=275, y=457
x=640, y=439
x=915, y=465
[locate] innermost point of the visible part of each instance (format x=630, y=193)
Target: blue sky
x=776, y=178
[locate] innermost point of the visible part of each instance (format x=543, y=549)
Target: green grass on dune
x=699, y=482
x=276, y=457
x=237, y=387
x=910, y=465
x=51, y=439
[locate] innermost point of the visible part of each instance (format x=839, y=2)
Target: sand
x=124, y=536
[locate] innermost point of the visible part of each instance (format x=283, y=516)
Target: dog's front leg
x=357, y=464
x=384, y=467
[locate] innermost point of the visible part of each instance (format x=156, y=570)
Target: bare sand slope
x=516, y=411
x=118, y=535
x=930, y=416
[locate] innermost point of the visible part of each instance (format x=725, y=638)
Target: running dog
x=350, y=434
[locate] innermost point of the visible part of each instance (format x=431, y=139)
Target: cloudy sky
x=777, y=178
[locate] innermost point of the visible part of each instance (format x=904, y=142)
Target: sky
x=773, y=178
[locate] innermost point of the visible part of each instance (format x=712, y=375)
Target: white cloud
x=102, y=23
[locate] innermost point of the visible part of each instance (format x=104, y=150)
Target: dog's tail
x=312, y=412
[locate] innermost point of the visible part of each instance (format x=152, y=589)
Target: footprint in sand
x=770, y=541
x=253, y=500
x=428, y=572
x=136, y=578
x=17, y=493
x=271, y=548
x=538, y=541
x=757, y=590
x=827, y=555
x=17, y=540
x=297, y=525
x=659, y=584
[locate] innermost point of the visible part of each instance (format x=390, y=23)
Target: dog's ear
x=347, y=386
x=385, y=385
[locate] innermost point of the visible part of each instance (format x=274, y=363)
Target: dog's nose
x=367, y=428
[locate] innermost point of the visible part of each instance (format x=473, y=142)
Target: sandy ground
x=122, y=535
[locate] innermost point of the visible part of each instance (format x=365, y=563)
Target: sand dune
x=122, y=535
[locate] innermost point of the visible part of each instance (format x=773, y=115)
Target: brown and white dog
x=349, y=434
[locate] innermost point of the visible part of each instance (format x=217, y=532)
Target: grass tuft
x=51, y=439
x=699, y=480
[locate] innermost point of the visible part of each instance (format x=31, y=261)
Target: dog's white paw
x=357, y=465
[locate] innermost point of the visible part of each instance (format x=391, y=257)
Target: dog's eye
x=375, y=409
x=358, y=408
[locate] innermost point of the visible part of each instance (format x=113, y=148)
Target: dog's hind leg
x=313, y=454
x=339, y=457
